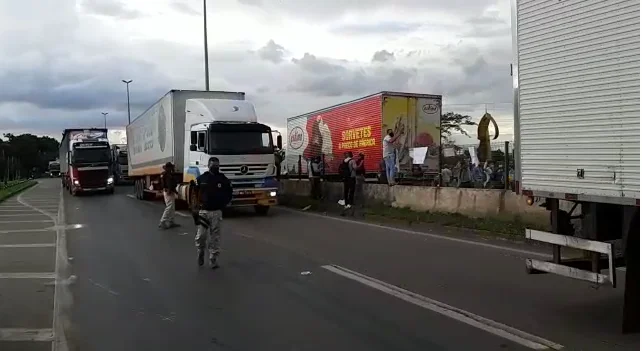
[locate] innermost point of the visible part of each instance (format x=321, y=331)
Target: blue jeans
x=390, y=168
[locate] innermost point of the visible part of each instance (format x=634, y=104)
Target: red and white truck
x=576, y=79
x=85, y=161
x=360, y=126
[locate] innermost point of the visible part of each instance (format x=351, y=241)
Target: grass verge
x=380, y=213
x=14, y=189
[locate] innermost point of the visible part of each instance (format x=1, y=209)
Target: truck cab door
x=198, y=138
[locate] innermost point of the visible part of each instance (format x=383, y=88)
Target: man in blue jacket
x=215, y=193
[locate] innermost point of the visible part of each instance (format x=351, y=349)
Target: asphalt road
x=135, y=287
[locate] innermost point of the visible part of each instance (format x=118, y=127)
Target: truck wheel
x=138, y=189
x=261, y=210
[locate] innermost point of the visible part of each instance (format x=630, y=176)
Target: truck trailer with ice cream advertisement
x=360, y=125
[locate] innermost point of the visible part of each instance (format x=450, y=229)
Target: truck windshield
x=236, y=141
x=90, y=155
x=54, y=167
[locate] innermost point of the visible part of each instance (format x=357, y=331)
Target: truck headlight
x=110, y=180
x=76, y=182
x=272, y=193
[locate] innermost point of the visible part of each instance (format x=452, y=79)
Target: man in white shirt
x=389, y=156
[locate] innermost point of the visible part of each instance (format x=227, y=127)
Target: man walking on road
x=169, y=195
x=214, y=194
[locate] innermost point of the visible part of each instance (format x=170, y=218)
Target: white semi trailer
x=186, y=128
x=576, y=78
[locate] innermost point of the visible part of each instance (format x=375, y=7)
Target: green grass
x=14, y=188
x=494, y=227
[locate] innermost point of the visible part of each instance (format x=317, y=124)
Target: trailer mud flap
x=566, y=268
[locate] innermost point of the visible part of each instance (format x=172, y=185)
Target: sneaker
x=214, y=264
x=163, y=225
x=201, y=258
x=342, y=202
x=348, y=207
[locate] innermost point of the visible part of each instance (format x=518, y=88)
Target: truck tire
x=261, y=210
x=138, y=189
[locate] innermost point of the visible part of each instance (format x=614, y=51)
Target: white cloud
x=65, y=61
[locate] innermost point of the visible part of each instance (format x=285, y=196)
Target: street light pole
x=207, y=63
x=129, y=115
x=105, y=117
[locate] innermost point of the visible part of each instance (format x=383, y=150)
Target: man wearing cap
x=214, y=194
x=168, y=182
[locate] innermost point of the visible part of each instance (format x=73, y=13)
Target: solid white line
x=22, y=214
x=131, y=195
x=39, y=221
x=62, y=295
x=22, y=210
x=26, y=230
x=496, y=328
x=26, y=246
x=413, y=232
x=22, y=334
x=27, y=275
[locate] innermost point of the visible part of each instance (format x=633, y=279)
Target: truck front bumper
x=254, y=197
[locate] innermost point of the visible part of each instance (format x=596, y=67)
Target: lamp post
x=207, y=64
x=129, y=116
x=105, y=117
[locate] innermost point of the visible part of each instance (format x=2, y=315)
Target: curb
x=17, y=188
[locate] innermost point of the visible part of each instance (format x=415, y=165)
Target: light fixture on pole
x=129, y=115
x=207, y=60
x=105, y=117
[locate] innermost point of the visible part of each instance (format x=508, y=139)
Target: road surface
x=288, y=281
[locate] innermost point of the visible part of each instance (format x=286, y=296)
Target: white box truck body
x=576, y=79
x=186, y=128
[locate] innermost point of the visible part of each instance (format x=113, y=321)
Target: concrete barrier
x=474, y=203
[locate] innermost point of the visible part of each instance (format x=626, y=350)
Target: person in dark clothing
x=348, y=171
x=314, y=174
x=360, y=171
x=168, y=183
x=214, y=191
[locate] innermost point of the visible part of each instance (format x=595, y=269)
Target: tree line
x=25, y=154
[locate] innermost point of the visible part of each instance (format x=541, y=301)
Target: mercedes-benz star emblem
x=244, y=169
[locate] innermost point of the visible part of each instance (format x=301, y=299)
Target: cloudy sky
x=62, y=61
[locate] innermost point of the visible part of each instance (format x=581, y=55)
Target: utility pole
x=105, y=117
x=129, y=115
x=207, y=60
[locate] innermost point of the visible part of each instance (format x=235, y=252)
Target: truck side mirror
x=279, y=142
x=192, y=147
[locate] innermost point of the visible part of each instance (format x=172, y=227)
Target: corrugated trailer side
x=576, y=79
x=352, y=126
x=578, y=105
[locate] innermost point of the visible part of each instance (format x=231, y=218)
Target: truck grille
x=245, y=175
x=93, y=178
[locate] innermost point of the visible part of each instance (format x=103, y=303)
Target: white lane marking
x=27, y=275
x=131, y=196
x=24, y=215
x=39, y=221
x=430, y=235
x=25, y=209
x=496, y=328
x=62, y=296
x=22, y=334
x=26, y=230
x=26, y=246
